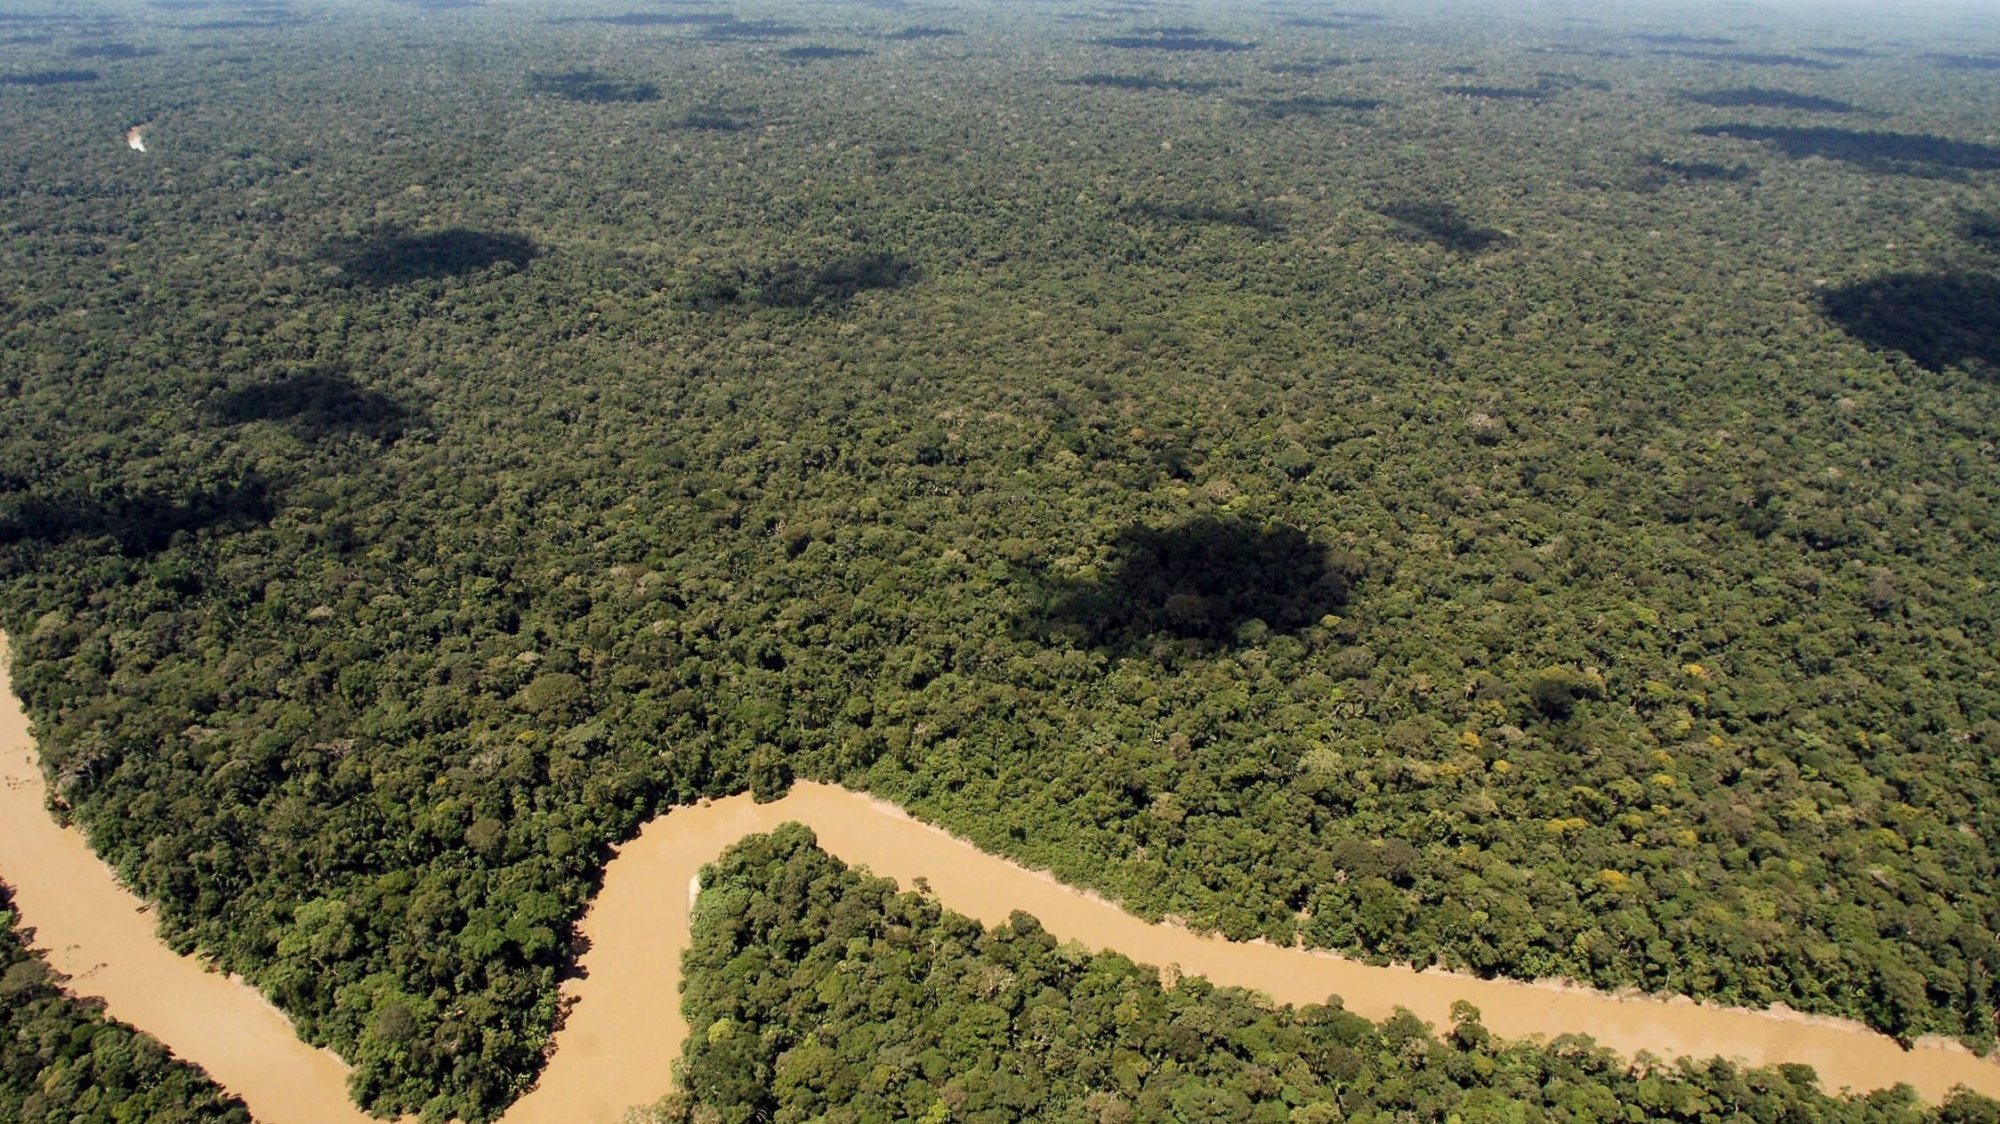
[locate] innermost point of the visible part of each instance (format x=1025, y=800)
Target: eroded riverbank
x=625, y=1029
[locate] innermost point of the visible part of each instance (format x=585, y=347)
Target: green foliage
x=770, y=773
x=556, y=693
x=410, y=483
x=1555, y=691
x=791, y=284
x=63, y=1062
x=814, y=992
x=590, y=86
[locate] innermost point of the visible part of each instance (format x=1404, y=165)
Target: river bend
x=624, y=1030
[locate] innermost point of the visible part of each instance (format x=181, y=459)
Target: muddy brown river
x=617, y=1048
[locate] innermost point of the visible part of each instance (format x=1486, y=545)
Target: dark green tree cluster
x=1543, y=536
x=63, y=1062
x=816, y=993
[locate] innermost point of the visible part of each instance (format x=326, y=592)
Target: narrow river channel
x=624, y=1031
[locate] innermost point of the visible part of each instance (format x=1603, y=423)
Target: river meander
x=624, y=1031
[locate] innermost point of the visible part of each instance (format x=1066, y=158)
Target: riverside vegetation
x=1514, y=494
x=817, y=993
x=61, y=1061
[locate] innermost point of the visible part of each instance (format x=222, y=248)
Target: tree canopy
x=814, y=992
x=1220, y=464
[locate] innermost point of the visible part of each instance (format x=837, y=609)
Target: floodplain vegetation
x=817, y=993
x=64, y=1062
x=1458, y=487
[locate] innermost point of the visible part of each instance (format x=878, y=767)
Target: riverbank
x=624, y=1029
x=94, y=930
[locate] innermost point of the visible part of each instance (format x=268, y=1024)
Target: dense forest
x=818, y=993
x=1511, y=491
x=63, y=1062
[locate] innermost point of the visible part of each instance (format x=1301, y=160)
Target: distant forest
x=1458, y=486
